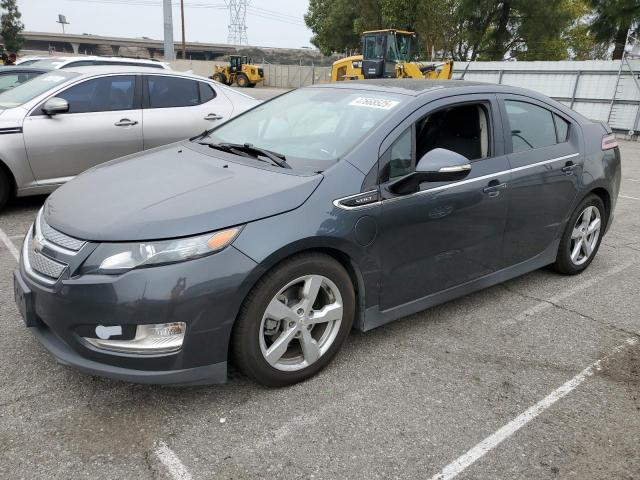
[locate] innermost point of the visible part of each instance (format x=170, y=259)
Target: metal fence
x=294, y=76
x=598, y=89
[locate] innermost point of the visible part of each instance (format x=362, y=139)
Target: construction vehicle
x=239, y=71
x=389, y=53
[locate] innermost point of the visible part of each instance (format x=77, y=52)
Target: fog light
x=149, y=340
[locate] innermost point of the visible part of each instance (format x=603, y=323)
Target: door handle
x=213, y=116
x=125, y=122
x=568, y=167
x=494, y=188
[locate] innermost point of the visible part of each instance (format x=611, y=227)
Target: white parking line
x=463, y=462
x=9, y=244
x=632, y=179
x=630, y=198
x=171, y=462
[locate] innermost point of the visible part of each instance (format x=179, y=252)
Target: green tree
x=614, y=21
x=10, y=26
x=579, y=37
x=540, y=30
x=463, y=29
x=332, y=24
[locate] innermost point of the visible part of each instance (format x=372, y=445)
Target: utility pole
x=184, y=47
x=169, y=53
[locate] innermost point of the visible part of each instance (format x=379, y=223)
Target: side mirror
x=55, y=105
x=437, y=165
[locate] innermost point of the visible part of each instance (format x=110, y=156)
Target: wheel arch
x=4, y=168
x=341, y=255
x=339, y=252
x=605, y=196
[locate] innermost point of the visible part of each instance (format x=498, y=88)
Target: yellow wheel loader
x=239, y=71
x=389, y=54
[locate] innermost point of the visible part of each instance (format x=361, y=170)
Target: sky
x=270, y=23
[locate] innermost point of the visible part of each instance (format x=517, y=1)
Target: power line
x=273, y=12
x=299, y=24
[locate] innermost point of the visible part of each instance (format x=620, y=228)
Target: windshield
x=311, y=127
x=50, y=63
x=31, y=89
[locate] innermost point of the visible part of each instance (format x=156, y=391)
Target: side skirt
x=375, y=317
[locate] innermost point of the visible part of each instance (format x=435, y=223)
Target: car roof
x=406, y=86
x=134, y=69
x=97, y=57
x=92, y=70
x=417, y=87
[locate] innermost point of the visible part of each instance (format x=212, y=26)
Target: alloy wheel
x=301, y=323
x=585, y=235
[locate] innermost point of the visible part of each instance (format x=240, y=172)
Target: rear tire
x=242, y=81
x=251, y=85
x=582, y=237
x=294, y=320
x=5, y=189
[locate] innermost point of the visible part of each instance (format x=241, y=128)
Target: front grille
x=58, y=238
x=41, y=264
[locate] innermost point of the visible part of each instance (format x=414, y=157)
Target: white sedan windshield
x=312, y=127
x=31, y=89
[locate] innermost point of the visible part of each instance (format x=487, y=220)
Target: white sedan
x=66, y=121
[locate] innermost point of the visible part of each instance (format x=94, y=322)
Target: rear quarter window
x=206, y=92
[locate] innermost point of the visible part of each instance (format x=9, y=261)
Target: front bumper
x=205, y=293
x=204, y=375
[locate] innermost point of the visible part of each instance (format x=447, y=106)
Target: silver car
x=66, y=121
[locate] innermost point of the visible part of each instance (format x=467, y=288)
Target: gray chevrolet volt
x=262, y=242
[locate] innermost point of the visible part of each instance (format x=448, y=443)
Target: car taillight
x=609, y=141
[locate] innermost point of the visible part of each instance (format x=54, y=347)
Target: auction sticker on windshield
x=372, y=102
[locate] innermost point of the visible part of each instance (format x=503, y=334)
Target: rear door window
x=166, y=91
x=531, y=126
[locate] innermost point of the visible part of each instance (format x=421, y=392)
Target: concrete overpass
x=99, y=45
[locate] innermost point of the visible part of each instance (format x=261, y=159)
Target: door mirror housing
x=54, y=106
x=437, y=165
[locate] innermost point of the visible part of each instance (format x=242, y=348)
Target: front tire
x=582, y=237
x=294, y=320
x=242, y=81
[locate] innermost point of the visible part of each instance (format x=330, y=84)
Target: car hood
x=172, y=191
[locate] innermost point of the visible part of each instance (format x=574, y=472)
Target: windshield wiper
x=246, y=149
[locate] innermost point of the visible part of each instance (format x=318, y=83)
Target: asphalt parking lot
x=538, y=378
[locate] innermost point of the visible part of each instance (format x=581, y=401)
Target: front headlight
x=113, y=258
